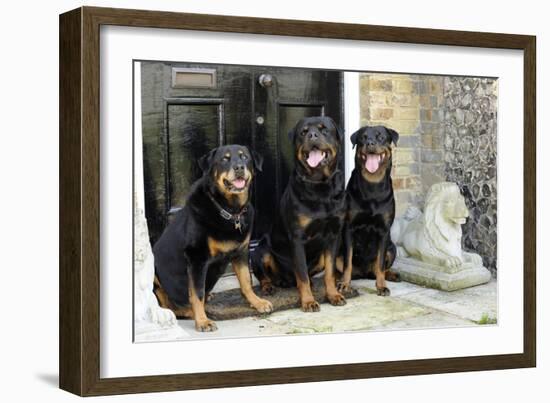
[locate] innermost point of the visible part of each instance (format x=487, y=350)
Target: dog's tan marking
x=339, y=265
x=216, y=247
x=269, y=263
x=303, y=220
x=319, y=267
x=271, y=269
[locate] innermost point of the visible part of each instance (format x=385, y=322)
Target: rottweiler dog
x=368, y=251
x=212, y=230
x=305, y=234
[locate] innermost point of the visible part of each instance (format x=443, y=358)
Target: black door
x=187, y=109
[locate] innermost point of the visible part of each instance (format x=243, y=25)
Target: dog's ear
x=258, y=160
x=394, y=135
x=205, y=162
x=355, y=136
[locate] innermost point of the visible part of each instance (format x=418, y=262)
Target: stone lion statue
x=435, y=237
x=146, y=307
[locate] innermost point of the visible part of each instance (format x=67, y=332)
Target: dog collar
x=236, y=218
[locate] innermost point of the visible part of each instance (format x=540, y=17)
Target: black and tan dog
x=212, y=230
x=306, y=231
x=369, y=251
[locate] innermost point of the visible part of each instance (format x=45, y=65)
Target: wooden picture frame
x=80, y=185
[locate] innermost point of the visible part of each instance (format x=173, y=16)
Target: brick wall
x=412, y=105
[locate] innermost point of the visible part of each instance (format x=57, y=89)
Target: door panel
x=193, y=129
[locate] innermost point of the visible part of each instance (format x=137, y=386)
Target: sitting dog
x=306, y=230
x=212, y=230
x=368, y=249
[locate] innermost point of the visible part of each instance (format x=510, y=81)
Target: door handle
x=265, y=80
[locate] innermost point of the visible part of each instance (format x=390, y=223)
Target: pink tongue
x=314, y=158
x=372, y=163
x=239, y=183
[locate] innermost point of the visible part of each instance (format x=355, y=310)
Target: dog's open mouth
x=372, y=161
x=315, y=157
x=235, y=185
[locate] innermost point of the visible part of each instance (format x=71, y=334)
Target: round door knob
x=265, y=80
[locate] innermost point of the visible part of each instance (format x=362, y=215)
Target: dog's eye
x=225, y=159
x=244, y=157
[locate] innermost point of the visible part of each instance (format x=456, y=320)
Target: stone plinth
x=441, y=277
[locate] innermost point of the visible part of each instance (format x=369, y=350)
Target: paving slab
x=433, y=319
x=478, y=304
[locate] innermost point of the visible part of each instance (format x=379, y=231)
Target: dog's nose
x=371, y=142
x=239, y=168
x=312, y=135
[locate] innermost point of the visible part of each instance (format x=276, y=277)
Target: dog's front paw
x=383, y=292
x=206, y=326
x=310, y=306
x=336, y=299
x=343, y=287
x=263, y=306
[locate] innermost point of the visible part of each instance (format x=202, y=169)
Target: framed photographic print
x=330, y=195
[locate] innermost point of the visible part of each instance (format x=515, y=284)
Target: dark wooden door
x=187, y=109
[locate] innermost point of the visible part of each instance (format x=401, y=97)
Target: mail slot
x=183, y=77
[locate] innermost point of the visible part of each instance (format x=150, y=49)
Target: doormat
x=231, y=304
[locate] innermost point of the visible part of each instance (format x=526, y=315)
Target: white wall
x=28, y=340
x=352, y=114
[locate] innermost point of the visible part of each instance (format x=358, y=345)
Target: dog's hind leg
x=390, y=274
x=164, y=302
x=378, y=267
x=263, y=266
x=344, y=284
